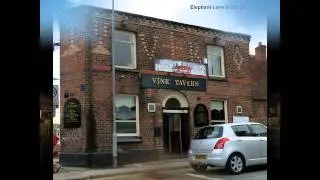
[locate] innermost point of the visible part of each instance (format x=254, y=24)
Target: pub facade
x=171, y=79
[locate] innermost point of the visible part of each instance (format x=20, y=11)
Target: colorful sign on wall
x=184, y=67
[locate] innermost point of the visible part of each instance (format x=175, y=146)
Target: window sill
x=122, y=139
x=218, y=78
x=127, y=70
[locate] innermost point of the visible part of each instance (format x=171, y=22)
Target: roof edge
x=245, y=36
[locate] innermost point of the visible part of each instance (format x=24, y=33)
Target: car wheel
x=199, y=168
x=236, y=163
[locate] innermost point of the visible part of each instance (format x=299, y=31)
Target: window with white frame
x=125, y=49
x=218, y=112
x=215, y=61
x=127, y=115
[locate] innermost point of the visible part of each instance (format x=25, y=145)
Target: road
x=254, y=173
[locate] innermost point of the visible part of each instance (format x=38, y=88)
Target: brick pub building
x=171, y=78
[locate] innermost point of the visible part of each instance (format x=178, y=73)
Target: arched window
x=173, y=103
x=201, y=116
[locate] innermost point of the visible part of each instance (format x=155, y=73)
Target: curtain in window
x=217, y=111
x=217, y=105
x=214, y=60
x=125, y=49
x=216, y=66
x=126, y=114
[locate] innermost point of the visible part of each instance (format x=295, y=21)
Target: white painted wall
x=56, y=119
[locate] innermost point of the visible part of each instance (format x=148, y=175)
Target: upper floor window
x=125, y=49
x=215, y=61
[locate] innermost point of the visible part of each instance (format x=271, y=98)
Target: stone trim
x=136, y=19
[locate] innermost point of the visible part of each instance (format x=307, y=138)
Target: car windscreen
x=209, y=132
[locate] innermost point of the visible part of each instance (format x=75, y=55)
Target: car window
x=241, y=130
x=259, y=130
x=209, y=132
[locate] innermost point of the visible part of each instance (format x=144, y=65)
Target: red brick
x=237, y=88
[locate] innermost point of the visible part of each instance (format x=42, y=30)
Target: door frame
x=182, y=108
x=185, y=131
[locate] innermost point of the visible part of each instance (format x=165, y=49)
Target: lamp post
x=114, y=125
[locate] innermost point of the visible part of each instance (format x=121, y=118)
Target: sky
x=254, y=18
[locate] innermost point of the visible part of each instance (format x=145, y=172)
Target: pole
x=154, y=132
x=114, y=129
x=180, y=135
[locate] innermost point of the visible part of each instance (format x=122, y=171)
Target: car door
x=246, y=143
x=261, y=133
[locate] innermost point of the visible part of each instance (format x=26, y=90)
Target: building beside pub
x=259, y=84
x=171, y=79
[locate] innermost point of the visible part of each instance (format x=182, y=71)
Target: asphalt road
x=254, y=173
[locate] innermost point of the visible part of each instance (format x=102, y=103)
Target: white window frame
x=225, y=104
x=222, y=61
x=137, y=117
x=134, y=50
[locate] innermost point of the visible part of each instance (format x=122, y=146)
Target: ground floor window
x=200, y=116
x=127, y=115
x=218, y=112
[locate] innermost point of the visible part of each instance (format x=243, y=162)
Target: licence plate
x=201, y=157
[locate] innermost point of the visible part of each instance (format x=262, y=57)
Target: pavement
x=255, y=173
x=74, y=173
x=158, y=170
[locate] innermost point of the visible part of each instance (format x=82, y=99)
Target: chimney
x=261, y=52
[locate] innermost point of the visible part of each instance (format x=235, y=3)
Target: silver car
x=233, y=146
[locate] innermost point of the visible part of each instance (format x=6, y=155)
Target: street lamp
x=114, y=125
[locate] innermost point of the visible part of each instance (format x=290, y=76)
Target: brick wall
x=259, y=84
x=154, y=39
x=260, y=111
x=72, y=74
